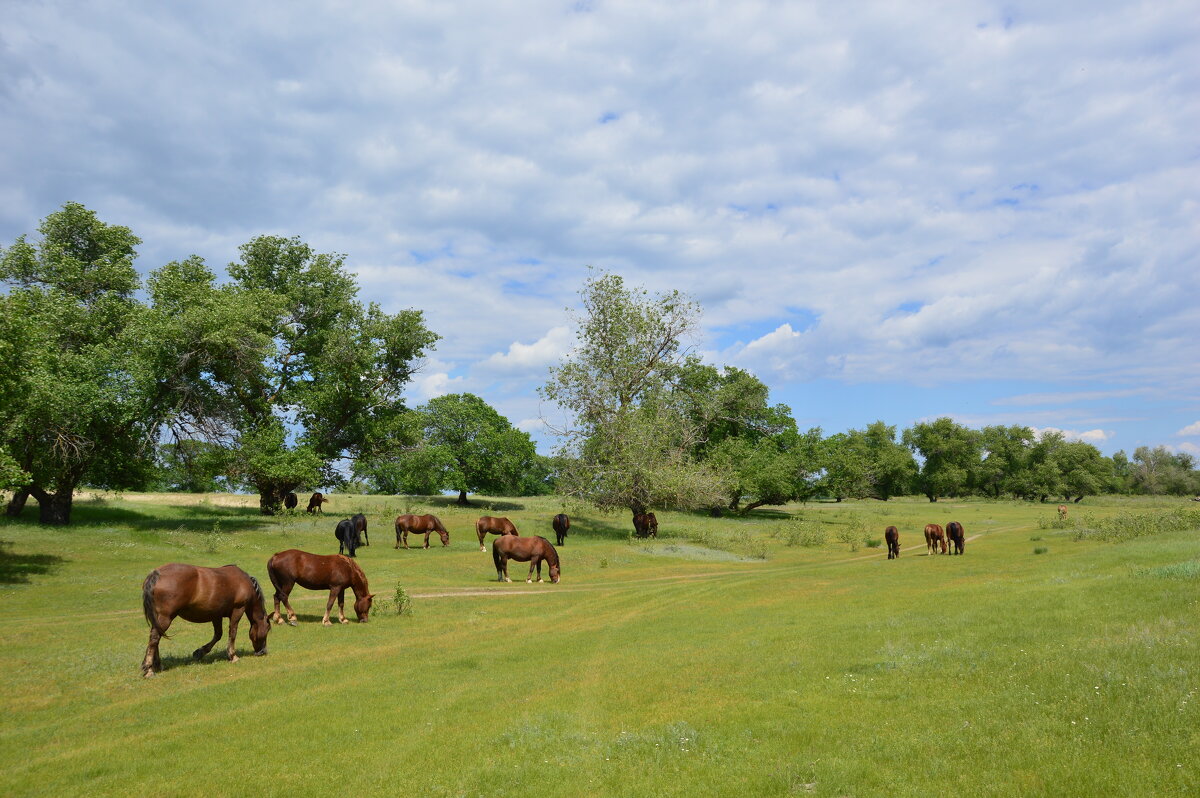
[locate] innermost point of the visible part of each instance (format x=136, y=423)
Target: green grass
x=769, y=655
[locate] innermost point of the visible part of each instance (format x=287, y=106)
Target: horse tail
x=496, y=556
x=148, y=602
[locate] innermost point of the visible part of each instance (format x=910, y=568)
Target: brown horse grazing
x=315, y=501
x=892, y=536
x=202, y=595
x=360, y=526
x=956, y=536
x=561, y=524
x=532, y=550
x=645, y=525
x=489, y=525
x=332, y=572
x=290, y=501
x=1062, y=512
x=420, y=525
x=935, y=537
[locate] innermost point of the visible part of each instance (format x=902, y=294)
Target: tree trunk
x=270, y=498
x=1079, y=498
x=17, y=503
x=715, y=511
x=462, y=498
x=54, y=509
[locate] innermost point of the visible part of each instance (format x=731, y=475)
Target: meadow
x=780, y=654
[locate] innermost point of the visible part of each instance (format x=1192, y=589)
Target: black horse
x=561, y=524
x=347, y=537
x=954, y=531
x=360, y=523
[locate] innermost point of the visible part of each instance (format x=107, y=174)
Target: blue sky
x=982, y=210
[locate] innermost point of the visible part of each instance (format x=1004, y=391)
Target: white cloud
x=1092, y=436
x=1190, y=448
x=542, y=353
x=1190, y=429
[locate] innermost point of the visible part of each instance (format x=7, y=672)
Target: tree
x=190, y=466
x=319, y=375
x=1005, y=461
x=82, y=393
x=868, y=463
x=951, y=455
x=632, y=439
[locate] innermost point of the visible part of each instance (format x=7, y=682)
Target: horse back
x=199, y=594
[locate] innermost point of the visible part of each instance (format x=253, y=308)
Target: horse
x=315, y=501
x=645, y=525
x=954, y=532
x=347, y=536
x=1062, y=512
x=532, y=550
x=201, y=595
x=332, y=572
x=935, y=537
x=360, y=526
x=561, y=524
x=290, y=501
x=892, y=536
x=420, y=524
x=494, y=526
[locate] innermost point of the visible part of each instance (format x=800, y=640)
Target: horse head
x=362, y=606
x=554, y=573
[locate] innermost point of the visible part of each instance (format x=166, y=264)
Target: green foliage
x=868, y=463
x=1040, y=550
x=401, y=601
x=1132, y=524
x=190, y=466
x=1189, y=569
x=1160, y=471
x=951, y=454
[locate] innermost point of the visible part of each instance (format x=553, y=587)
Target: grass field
x=731, y=657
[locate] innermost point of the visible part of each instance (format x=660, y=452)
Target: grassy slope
x=817, y=671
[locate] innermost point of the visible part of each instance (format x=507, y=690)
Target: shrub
x=850, y=537
x=873, y=543
x=1040, y=550
x=804, y=534
x=1130, y=525
x=403, y=602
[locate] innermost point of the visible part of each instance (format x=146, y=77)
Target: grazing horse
x=892, y=536
x=532, y=550
x=561, y=524
x=490, y=525
x=954, y=531
x=347, y=536
x=418, y=525
x=290, y=501
x=315, y=501
x=202, y=595
x=645, y=525
x=1062, y=512
x=331, y=572
x=360, y=526
x=935, y=537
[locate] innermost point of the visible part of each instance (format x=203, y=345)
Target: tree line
x=279, y=377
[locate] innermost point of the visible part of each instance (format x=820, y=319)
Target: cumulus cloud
x=1093, y=436
x=534, y=357
x=1190, y=429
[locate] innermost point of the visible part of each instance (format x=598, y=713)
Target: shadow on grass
x=484, y=506
x=15, y=569
x=188, y=517
x=215, y=657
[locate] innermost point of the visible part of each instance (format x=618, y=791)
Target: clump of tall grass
x=803, y=533
x=1189, y=569
x=1130, y=525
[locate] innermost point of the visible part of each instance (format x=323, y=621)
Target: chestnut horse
x=935, y=537
x=360, y=526
x=315, y=501
x=532, y=550
x=332, y=572
x=489, y=525
x=347, y=537
x=290, y=501
x=561, y=524
x=645, y=525
x=1062, y=512
x=956, y=536
x=202, y=595
x=417, y=525
x=892, y=536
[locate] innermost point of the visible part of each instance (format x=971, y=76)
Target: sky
x=988, y=211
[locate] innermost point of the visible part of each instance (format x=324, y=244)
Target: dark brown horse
x=360, y=526
x=935, y=537
x=956, y=536
x=489, y=525
x=290, y=501
x=561, y=524
x=531, y=550
x=645, y=525
x=420, y=525
x=331, y=572
x=315, y=501
x=892, y=536
x=202, y=595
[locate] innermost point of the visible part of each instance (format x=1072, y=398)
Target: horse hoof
x=343, y=620
x=198, y=654
x=530, y=581
x=326, y=623
x=291, y=622
x=540, y=581
x=234, y=658
x=147, y=674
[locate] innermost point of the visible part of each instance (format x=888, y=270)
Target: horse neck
x=358, y=580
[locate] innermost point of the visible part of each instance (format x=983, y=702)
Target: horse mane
x=262, y=600
x=438, y=523
x=356, y=575
x=551, y=552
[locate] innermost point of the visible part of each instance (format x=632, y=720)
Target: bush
x=804, y=534
x=849, y=536
x=403, y=602
x=1041, y=550
x=873, y=543
x=1130, y=525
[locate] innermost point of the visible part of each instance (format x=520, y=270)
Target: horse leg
x=329, y=606
x=207, y=647
x=285, y=591
x=532, y=562
x=234, y=617
x=342, y=605
x=427, y=531
x=152, y=662
x=406, y=538
x=480, y=536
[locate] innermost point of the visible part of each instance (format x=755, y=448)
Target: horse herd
x=936, y=539
x=209, y=595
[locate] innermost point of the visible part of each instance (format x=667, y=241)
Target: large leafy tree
x=868, y=463
x=1005, y=464
x=465, y=445
x=90, y=373
x=632, y=437
x=951, y=455
x=319, y=376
